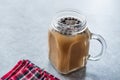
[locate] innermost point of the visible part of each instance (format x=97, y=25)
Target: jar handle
x=103, y=49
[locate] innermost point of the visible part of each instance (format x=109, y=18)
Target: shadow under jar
x=69, y=38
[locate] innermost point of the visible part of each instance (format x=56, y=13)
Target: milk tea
x=68, y=51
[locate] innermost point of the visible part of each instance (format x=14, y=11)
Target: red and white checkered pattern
x=25, y=70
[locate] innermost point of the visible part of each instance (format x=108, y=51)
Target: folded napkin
x=25, y=70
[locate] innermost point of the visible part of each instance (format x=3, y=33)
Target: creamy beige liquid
x=68, y=53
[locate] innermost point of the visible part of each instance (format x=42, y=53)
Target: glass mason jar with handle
x=69, y=39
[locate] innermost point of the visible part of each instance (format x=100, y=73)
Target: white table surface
x=23, y=35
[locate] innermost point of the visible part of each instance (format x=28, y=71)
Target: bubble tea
x=68, y=39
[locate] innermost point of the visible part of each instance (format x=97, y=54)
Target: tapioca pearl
x=78, y=22
x=64, y=22
x=65, y=18
x=75, y=19
x=77, y=26
x=62, y=19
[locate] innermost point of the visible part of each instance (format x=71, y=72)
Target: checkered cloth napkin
x=25, y=70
